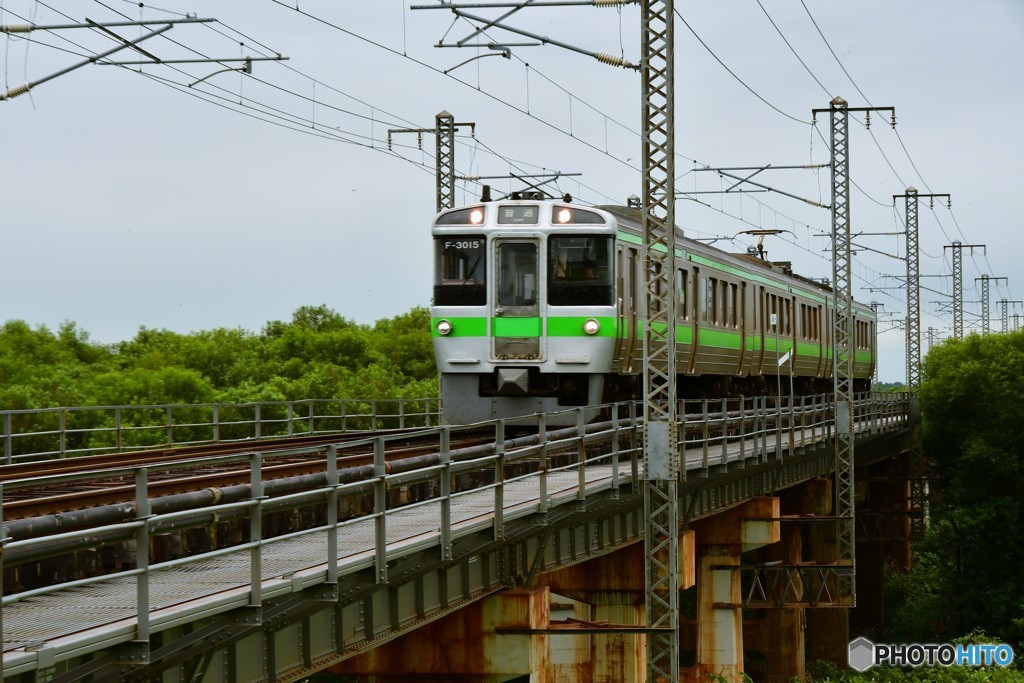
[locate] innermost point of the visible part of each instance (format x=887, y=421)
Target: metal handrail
x=774, y=429
x=38, y=433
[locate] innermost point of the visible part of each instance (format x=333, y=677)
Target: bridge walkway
x=63, y=628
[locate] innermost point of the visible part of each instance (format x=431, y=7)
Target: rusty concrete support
x=463, y=646
x=883, y=543
x=613, y=585
x=570, y=655
x=721, y=540
x=782, y=629
x=828, y=630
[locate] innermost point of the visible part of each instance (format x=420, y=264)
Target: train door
x=631, y=303
x=516, y=328
x=739, y=321
x=698, y=310
x=761, y=323
x=624, y=311
x=626, y=286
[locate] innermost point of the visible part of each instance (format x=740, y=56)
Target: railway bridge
x=500, y=551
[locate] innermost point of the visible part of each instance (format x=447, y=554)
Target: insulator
x=17, y=28
x=612, y=3
x=612, y=60
x=14, y=92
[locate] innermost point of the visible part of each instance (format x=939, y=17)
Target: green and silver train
x=538, y=305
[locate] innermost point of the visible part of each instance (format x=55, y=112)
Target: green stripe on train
x=461, y=327
x=572, y=326
x=515, y=327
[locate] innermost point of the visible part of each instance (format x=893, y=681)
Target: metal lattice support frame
x=445, y=160
x=842, y=336
x=662, y=471
x=984, y=304
x=444, y=128
x=958, y=290
x=913, y=294
x=1005, y=316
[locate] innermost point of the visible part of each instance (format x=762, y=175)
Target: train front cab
x=524, y=308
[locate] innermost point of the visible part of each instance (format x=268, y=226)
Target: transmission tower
x=914, y=287
x=444, y=129
x=843, y=338
x=958, y=284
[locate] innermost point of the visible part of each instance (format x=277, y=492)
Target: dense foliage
x=318, y=354
x=969, y=570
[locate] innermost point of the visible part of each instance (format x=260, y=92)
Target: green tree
x=972, y=408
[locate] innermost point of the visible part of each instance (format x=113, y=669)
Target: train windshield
x=580, y=271
x=460, y=270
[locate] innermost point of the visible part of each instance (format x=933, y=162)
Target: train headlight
x=443, y=327
x=563, y=215
x=591, y=326
x=476, y=216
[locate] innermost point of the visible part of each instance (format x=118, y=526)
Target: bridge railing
x=34, y=434
x=359, y=488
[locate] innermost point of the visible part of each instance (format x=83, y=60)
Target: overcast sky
x=132, y=200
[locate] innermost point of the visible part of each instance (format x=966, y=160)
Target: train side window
x=460, y=270
x=723, y=304
x=705, y=299
x=733, y=315
x=681, y=309
x=634, y=278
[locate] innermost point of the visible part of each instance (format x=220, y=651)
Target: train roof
x=630, y=217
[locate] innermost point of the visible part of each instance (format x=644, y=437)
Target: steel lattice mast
x=444, y=128
x=911, y=199
x=958, y=284
x=842, y=333
x=958, y=290
x=842, y=338
x=1005, y=312
x=986, y=280
x=913, y=293
x=662, y=471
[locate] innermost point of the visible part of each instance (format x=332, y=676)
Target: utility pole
x=985, y=280
x=444, y=128
x=843, y=337
x=931, y=337
x=914, y=286
x=662, y=470
x=1016, y=321
x=958, y=284
x=1004, y=304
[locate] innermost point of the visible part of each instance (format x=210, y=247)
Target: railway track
x=188, y=469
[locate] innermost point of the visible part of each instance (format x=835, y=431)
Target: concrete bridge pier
x=464, y=646
x=828, y=630
x=779, y=636
x=613, y=585
x=721, y=540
